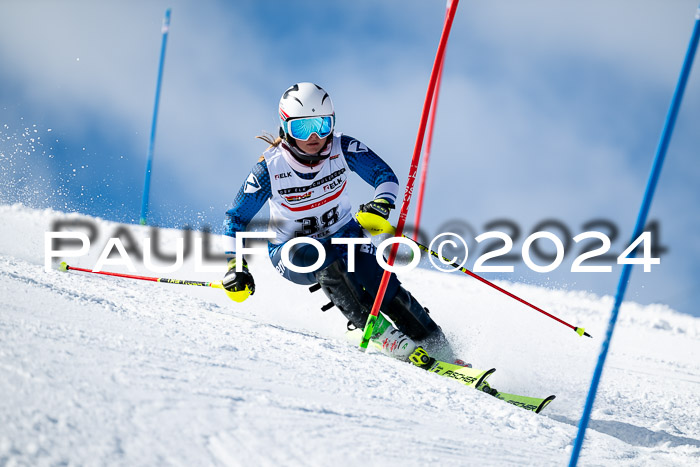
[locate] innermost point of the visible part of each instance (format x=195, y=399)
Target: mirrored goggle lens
x=303, y=128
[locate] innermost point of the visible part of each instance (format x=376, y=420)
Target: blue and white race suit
x=312, y=202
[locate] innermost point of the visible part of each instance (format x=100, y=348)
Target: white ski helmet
x=312, y=107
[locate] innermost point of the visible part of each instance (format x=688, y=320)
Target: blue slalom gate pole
x=641, y=221
x=151, y=143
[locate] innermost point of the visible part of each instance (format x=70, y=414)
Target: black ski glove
x=379, y=206
x=237, y=281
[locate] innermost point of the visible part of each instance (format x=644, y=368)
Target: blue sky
x=548, y=110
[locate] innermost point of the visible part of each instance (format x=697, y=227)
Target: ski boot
x=385, y=338
x=393, y=342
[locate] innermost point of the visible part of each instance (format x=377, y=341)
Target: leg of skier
x=344, y=291
x=356, y=297
x=351, y=299
x=403, y=309
x=353, y=294
x=414, y=320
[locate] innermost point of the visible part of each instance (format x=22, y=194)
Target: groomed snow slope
x=101, y=370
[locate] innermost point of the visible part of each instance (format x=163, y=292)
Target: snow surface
x=101, y=370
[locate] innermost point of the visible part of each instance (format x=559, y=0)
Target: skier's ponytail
x=269, y=139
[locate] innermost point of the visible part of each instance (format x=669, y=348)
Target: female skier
x=303, y=175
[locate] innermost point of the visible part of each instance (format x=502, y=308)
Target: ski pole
x=579, y=330
x=375, y=225
x=235, y=296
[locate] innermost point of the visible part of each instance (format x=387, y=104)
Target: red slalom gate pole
x=428, y=148
x=372, y=318
x=426, y=160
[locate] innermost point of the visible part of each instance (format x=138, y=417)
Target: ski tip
x=545, y=403
x=63, y=266
x=582, y=332
x=485, y=375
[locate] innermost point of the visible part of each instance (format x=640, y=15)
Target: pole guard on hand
x=374, y=223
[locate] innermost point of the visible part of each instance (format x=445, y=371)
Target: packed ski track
x=103, y=370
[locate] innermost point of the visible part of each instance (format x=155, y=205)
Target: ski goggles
x=303, y=128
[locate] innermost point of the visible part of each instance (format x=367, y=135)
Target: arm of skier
x=251, y=197
x=373, y=170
